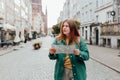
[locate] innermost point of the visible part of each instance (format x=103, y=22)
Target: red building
x=37, y=9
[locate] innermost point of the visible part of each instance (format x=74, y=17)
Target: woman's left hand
x=76, y=51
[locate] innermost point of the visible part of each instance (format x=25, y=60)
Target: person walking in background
x=70, y=66
x=26, y=35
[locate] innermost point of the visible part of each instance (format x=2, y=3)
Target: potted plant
x=37, y=45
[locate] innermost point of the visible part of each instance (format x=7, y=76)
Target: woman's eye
x=67, y=26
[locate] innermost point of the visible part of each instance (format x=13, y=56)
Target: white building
x=87, y=17
x=2, y=13
x=94, y=16
x=23, y=18
x=105, y=35
x=81, y=10
x=15, y=18
x=38, y=23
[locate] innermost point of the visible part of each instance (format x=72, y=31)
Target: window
x=108, y=14
x=119, y=11
x=96, y=18
x=118, y=19
x=90, y=15
x=118, y=14
x=1, y=5
x=82, y=31
x=96, y=3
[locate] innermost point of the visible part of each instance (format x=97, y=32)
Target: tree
x=77, y=24
x=56, y=29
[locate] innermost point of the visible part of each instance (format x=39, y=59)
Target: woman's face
x=66, y=29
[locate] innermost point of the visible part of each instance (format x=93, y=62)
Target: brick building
x=39, y=19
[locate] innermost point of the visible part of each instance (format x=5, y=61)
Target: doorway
x=86, y=35
x=97, y=36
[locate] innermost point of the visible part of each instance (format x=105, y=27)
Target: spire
x=46, y=10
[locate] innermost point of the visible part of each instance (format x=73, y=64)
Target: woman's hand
x=52, y=50
x=76, y=51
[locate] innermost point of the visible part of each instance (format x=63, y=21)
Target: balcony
x=110, y=30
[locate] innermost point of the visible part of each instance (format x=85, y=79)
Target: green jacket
x=78, y=65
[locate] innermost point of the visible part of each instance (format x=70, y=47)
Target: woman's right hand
x=52, y=50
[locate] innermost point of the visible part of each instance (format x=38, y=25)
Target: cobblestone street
x=29, y=64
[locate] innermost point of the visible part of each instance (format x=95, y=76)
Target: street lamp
x=112, y=13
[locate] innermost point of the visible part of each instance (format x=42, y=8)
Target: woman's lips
x=64, y=30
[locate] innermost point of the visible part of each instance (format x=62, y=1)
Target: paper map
x=64, y=49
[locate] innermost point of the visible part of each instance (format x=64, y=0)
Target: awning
x=1, y=25
x=9, y=26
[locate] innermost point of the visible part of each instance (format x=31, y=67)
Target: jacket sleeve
x=84, y=53
x=53, y=56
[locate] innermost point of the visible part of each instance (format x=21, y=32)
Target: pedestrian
x=26, y=38
x=70, y=66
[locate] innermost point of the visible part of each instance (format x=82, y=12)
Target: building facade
x=99, y=20
x=107, y=33
x=15, y=17
x=39, y=19
x=22, y=19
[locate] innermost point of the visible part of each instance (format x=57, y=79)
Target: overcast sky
x=53, y=7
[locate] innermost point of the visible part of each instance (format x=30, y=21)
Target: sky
x=53, y=9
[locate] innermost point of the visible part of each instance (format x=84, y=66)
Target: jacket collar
x=63, y=41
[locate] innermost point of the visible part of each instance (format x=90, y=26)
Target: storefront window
x=119, y=14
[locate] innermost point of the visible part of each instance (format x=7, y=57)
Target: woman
x=70, y=66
